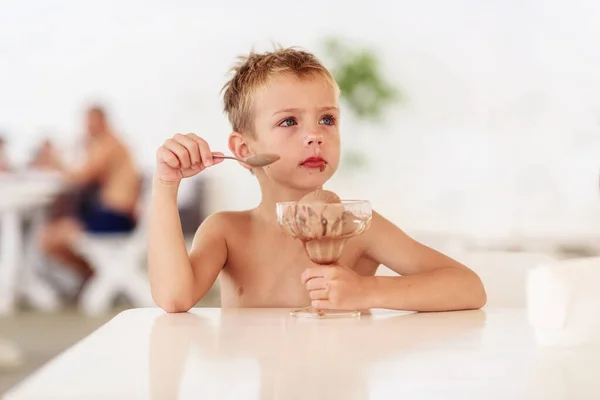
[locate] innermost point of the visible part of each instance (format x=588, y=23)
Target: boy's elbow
x=173, y=304
x=469, y=293
x=477, y=295
x=479, y=299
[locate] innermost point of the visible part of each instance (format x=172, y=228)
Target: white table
x=22, y=195
x=267, y=354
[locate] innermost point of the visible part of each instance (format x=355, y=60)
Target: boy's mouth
x=314, y=162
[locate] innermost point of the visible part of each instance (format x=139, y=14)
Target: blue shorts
x=97, y=218
x=104, y=220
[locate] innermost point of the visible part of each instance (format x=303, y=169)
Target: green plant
x=362, y=87
x=357, y=72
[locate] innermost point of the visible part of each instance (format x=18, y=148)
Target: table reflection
x=295, y=357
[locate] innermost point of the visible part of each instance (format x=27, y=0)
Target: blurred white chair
x=117, y=260
x=23, y=195
x=564, y=302
x=504, y=274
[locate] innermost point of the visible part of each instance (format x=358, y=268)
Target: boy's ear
x=238, y=147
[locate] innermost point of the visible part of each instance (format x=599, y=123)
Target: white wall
x=500, y=133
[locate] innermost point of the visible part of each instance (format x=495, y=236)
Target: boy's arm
x=179, y=280
x=430, y=281
x=208, y=254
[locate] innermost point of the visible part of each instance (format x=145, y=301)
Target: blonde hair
x=253, y=72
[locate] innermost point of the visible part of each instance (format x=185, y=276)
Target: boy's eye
x=327, y=120
x=288, y=122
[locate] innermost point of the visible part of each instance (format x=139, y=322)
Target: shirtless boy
x=286, y=102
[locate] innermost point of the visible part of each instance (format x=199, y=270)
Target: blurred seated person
x=66, y=202
x=109, y=188
x=43, y=156
x=4, y=164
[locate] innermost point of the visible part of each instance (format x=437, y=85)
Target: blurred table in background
x=23, y=195
x=554, y=243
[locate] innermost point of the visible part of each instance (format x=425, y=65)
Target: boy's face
x=298, y=120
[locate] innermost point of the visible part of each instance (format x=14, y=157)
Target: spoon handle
x=229, y=157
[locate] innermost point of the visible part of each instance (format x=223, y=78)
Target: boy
x=286, y=103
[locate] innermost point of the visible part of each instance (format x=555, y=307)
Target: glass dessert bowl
x=324, y=228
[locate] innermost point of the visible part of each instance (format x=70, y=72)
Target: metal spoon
x=259, y=160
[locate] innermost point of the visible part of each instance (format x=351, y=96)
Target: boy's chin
x=303, y=179
x=311, y=182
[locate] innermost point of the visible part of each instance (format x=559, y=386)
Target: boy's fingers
x=217, y=160
x=168, y=157
x=319, y=295
x=323, y=304
x=316, y=284
x=314, y=272
x=192, y=147
x=205, y=153
x=193, y=136
x=180, y=151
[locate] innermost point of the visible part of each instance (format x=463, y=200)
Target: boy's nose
x=313, y=139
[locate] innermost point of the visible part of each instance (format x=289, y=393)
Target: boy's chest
x=265, y=271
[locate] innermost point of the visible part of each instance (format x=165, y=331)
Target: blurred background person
x=42, y=157
x=108, y=186
x=4, y=163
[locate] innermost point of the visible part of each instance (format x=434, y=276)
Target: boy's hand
x=338, y=287
x=183, y=156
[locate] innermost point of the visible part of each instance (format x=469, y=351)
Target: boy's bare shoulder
x=225, y=221
x=382, y=229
